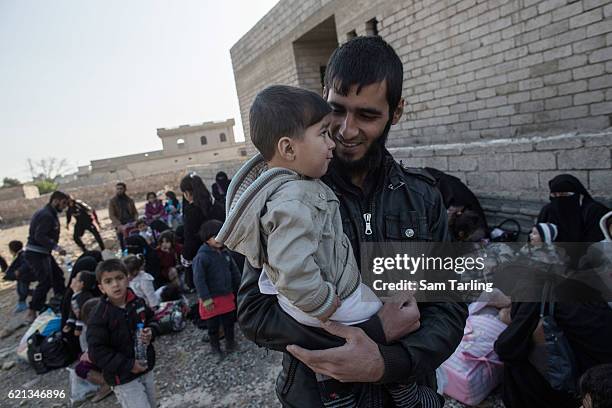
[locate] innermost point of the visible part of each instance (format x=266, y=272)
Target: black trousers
x=227, y=320
x=79, y=230
x=49, y=275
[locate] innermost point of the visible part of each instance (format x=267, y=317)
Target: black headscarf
x=567, y=211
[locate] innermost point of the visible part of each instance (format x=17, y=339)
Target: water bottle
x=140, y=350
x=68, y=263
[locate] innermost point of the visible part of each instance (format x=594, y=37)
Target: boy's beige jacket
x=291, y=224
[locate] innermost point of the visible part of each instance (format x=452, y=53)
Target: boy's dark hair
x=140, y=221
x=151, y=193
x=597, y=382
x=88, y=308
x=364, y=61
x=58, y=195
x=283, y=111
x=89, y=280
x=15, y=246
x=110, y=265
x=121, y=184
x=133, y=263
x=210, y=229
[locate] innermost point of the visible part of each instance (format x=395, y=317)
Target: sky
x=85, y=80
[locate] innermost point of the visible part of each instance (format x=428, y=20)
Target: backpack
x=49, y=353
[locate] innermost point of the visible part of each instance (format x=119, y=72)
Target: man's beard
x=374, y=151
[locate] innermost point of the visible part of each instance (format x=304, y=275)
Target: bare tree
x=48, y=168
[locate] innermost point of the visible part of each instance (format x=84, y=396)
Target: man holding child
x=402, y=343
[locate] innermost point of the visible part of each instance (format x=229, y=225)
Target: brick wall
x=494, y=75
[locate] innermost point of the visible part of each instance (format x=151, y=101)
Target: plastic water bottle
x=68, y=263
x=140, y=350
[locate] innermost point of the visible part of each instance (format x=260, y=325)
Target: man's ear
x=285, y=149
x=399, y=111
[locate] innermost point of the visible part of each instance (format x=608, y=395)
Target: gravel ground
x=186, y=375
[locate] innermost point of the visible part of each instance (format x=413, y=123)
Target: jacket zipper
x=367, y=217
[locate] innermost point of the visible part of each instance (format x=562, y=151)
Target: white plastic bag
x=80, y=389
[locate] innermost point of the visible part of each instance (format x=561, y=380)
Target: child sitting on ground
x=111, y=337
x=83, y=286
x=154, y=208
x=19, y=270
x=216, y=278
x=145, y=231
x=541, y=245
x=169, y=253
x=85, y=368
x=285, y=220
x=140, y=281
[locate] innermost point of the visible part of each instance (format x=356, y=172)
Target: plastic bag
x=80, y=389
x=46, y=324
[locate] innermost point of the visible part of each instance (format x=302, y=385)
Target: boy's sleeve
x=200, y=265
x=292, y=243
x=100, y=351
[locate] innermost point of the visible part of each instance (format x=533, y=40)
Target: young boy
x=287, y=222
x=111, y=337
x=216, y=278
x=596, y=387
x=20, y=271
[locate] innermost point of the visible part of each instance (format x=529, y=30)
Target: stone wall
x=20, y=210
x=23, y=191
x=510, y=176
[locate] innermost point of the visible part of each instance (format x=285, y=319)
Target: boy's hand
x=335, y=305
x=77, y=333
x=146, y=335
x=66, y=329
x=85, y=357
x=209, y=304
x=137, y=368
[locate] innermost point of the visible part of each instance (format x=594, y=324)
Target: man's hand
x=66, y=329
x=145, y=336
x=137, y=368
x=359, y=360
x=399, y=316
x=77, y=333
x=85, y=357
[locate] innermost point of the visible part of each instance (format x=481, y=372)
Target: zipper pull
x=368, y=226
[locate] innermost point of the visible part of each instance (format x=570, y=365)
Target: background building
x=183, y=147
x=504, y=94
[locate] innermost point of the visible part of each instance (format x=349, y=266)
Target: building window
x=372, y=27
x=180, y=143
x=203, y=140
x=189, y=158
x=216, y=154
x=222, y=137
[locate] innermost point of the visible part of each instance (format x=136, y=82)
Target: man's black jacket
x=403, y=205
x=44, y=230
x=111, y=333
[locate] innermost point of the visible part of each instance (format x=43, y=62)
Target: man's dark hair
x=110, y=265
x=597, y=382
x=58, y=195
x=15, y=246
x=364, y=61
x=283, y=111
x=121, y=184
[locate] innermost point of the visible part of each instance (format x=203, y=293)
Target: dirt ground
x=186, y=375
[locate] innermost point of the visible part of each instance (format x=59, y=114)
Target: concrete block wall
x=510, y=176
